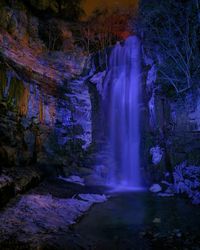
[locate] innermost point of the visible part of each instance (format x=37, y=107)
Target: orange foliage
x=104, y=28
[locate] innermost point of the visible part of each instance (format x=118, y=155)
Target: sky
x=90, y=5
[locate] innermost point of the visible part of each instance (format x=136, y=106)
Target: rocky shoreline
x=33, y=220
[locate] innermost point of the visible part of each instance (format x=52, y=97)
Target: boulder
x=74, y=179
x=94, y=198
x=157, y=154
x=155, y=188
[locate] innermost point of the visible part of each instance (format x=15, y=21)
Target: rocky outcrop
x=45, y=114
x=185, y=182
x=171, y=123
x=36, y=220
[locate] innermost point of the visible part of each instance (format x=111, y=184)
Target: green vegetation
x=15, y=91
x=3, y=81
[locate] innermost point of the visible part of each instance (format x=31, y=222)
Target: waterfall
x=121, y=102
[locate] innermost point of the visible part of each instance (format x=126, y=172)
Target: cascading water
x=121, y=99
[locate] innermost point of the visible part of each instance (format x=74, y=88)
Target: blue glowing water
x=123, y=84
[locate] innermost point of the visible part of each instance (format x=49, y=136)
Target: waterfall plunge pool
x=140, y=221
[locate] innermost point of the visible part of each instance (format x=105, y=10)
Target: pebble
x=157, y=220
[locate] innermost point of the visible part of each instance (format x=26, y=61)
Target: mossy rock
x=15, y=93
x=3, y=80
x=15, y=90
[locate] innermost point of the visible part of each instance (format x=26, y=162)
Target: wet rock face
x=170, y=121
x=37, y=120
x=178, y=127
x=185, y=112
x=45, y=116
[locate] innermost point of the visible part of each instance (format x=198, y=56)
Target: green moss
x=3, y=81
x=15, y=92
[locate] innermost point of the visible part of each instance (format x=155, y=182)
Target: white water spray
x=122, y=101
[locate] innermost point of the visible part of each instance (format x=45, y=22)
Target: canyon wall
x=170, y=125
x=45, y=115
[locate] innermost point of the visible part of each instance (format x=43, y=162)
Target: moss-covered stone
x=3, y=81
x=15, y=92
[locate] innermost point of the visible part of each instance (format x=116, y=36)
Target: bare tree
x=170, y=33
x=103, y=28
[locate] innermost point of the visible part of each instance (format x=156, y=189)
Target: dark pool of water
x=127, y=221
x=140, y=221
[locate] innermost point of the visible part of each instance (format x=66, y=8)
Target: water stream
x=121, y=93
